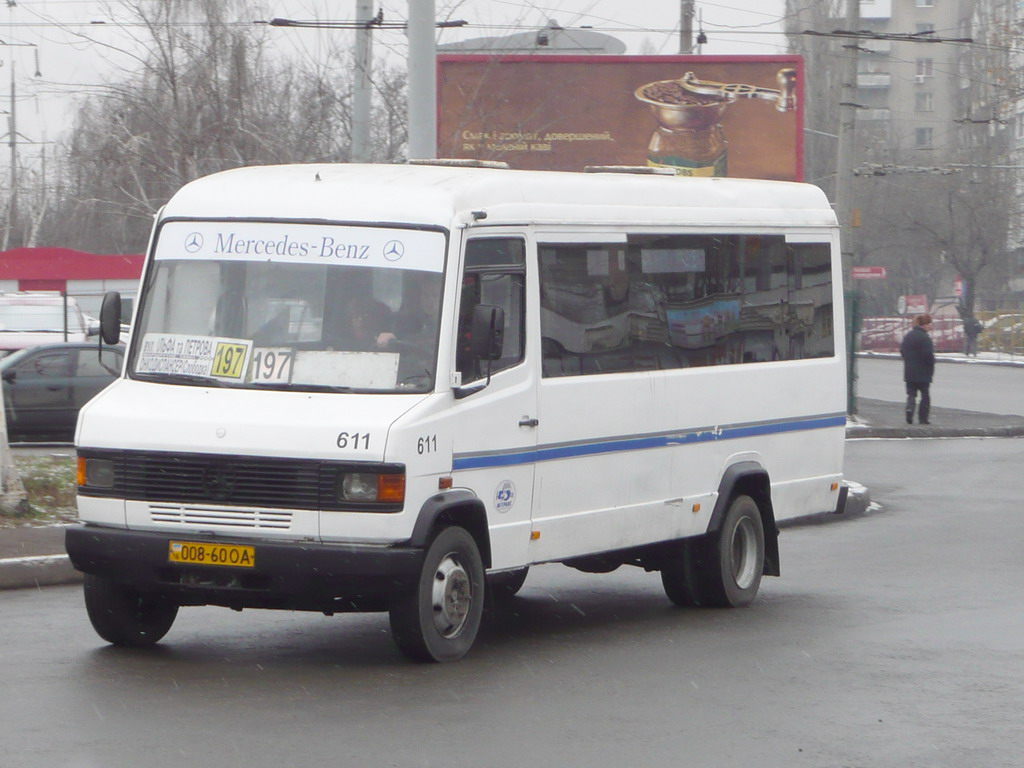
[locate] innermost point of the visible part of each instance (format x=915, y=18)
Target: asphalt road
x=893, y=639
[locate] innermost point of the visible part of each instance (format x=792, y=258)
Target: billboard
x=738, y=116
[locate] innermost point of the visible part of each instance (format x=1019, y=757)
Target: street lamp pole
x=361, y=102
x=422, y=81
x=844, y=194
x=686, y=26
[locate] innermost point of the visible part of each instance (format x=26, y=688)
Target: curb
x=944, y=357
x=866, y=431
x=40, y=571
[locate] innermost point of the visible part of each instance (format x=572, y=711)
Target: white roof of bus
x=441, y=195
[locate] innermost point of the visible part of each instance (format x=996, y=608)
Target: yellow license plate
x=205, y=553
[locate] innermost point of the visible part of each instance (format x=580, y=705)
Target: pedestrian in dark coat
x=972, y=328
x=918, y=367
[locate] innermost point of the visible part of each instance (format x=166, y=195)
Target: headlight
x=95, y=473
x=371, y=487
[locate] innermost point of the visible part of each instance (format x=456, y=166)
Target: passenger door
x=495, y=441
x=94, y=370
x=38, y=392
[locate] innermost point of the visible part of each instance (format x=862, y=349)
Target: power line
x=906, y=37
x=375, y=23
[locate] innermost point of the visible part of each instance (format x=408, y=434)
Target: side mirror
x=110, y=317
x=487, y=332
x=487, y=336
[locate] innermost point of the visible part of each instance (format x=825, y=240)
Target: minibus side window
x=494, y=274
x=683, y=301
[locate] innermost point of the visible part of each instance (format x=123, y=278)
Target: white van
x=361, y=388
x=33, y=318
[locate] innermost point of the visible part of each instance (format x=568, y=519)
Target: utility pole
x=361, y=93
x=847, y=127
x=686, y=26
x=422, y=81
x=844, y=192
x=12, y=141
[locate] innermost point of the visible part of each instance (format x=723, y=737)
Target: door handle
x=526, y=421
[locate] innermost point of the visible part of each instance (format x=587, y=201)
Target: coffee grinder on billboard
x=689, y=136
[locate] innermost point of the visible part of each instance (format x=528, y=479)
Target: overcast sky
x=57, y=39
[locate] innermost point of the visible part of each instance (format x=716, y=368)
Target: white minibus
x=398, y=387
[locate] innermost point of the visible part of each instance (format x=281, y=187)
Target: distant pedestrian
x=918, y=367
x=972, y=329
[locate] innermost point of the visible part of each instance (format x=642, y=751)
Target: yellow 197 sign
x=229, y=360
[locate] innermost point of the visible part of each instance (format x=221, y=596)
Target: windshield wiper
x=180, y=378
x=286, y=387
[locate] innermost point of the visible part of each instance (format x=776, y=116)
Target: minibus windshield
x=291, y=306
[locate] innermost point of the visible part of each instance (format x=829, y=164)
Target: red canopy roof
x=67, y=264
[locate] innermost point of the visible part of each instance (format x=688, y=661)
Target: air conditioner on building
x=919, y=79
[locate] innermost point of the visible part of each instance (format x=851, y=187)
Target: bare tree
x=204, y=94
x=822, y=86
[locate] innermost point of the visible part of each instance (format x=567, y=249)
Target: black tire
x=676, y=576
x=123, y=616
x=734, y=570
x=506, y=584
x=723, y=569
x=439, y=618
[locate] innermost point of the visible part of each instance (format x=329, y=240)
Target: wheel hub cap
x=452, y=595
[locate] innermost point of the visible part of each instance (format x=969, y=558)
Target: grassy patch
x=49, y=483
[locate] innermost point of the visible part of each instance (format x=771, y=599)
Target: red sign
x=914, y=304
x=867, y=273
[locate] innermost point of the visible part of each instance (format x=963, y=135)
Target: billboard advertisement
x=739, y=116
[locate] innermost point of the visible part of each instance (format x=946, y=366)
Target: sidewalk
x=34, y=556
x=880, y=418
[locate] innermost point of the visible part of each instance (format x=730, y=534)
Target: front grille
x=258, y=519
x=229, y=480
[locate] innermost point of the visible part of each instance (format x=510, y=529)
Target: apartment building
x=909, y=91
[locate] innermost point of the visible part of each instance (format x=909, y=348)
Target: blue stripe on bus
x=572, y=450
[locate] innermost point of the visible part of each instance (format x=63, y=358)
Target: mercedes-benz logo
x=193, y=242
x=219, y=482
x=394, y=250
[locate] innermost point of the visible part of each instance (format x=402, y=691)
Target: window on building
x=924, y=102
x=923, y=138
x=924, y=29
x=925, y=3
x=925, y=68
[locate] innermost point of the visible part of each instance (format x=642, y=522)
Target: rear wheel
x=506, y=584
x=677, y=577
x=737, y=557
x=438, y=619
x=723, y=569
x=124, y=616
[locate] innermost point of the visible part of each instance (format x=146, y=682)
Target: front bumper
x=290, y=575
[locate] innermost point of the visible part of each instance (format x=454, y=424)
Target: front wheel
x=438, y=619
x=123, y=616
